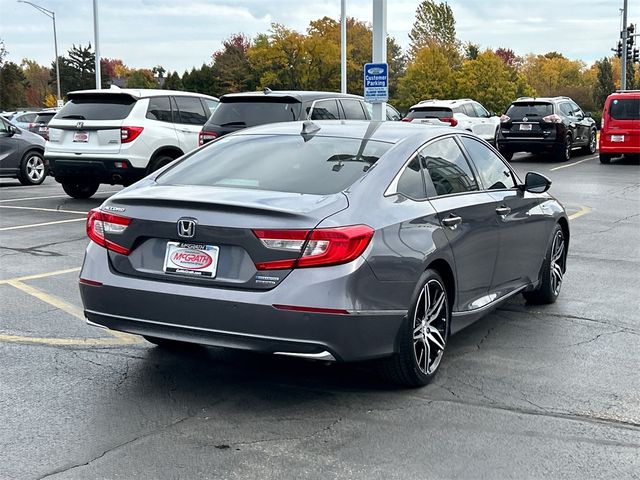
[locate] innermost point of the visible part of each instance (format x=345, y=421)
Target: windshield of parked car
x=625, y=108
x=250, y=113
x=430, y=112
x=283, y=163
x=108, y=106
x=529, y=109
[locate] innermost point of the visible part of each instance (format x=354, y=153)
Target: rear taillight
x=315, y=248
x=204, y=137
x=450, y=120
x=407, y=119
x=553, y=118
x=504, y=118
x=100, y=223
x=129, y=134
x=32, y=125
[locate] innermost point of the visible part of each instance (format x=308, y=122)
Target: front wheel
x=590, y=148
x=80, y=190
x=552, y=271
x=423, y=336
x=33, y=169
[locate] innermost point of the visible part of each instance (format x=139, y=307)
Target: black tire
x=167, y=343
x=605, y=158
x=554, y=266
x=421, y=343
x=562, y=152
x=33, y=169
x=80, y=190
x=591, y=147
x=507, y=154
x=160, y=162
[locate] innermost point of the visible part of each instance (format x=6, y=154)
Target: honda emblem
x=186, y=228
x=79, y=125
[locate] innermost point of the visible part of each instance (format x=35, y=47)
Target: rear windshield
x=281, y=163
x=430, y=112
x=44, y=117
x=625, y=108
x=529, y=109
x=252, y=113
x=97, y=107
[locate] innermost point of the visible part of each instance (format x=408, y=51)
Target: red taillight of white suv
x=100, y=223
x=129, y=134
x=315, y=248
x=204, y=137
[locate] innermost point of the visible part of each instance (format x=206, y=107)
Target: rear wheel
x=552, y=271
x=33, y=170
x=80, y=190
x=563, y=151
x=590, y=148
x=605, y=158
x=423, y=336
x=160, y=162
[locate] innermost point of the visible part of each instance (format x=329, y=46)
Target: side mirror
x=10, y=131
x=493, y=114
x=587, y=114
x=536, y=183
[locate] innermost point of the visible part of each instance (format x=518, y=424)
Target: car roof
x=138, y=93
x=625, y=93
x=390, y=132
x=300, y=95
x=441, y=103
x=543, y=99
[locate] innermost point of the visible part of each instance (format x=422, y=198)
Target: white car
x=464, y=113
x=118, y=136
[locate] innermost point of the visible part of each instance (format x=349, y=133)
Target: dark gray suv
x=21, y=154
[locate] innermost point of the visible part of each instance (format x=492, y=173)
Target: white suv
x=464, y=113
x=118, y=136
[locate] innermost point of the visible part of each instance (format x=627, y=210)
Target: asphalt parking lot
x=527, y=392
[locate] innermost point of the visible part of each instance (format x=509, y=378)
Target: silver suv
x=118, y=136
x=464, y=113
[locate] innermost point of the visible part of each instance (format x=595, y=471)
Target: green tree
x=231, y=68
x=471, y=51
x=173, y=82
x=200, y=80
x=77, y=70
x=142, y=78
x=12, y=91
x=434, y=23
x=37, y=80
x=428, y=76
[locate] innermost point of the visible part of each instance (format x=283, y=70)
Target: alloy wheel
x=35, y=168
x=557, y=262
x=592, y=142
x=567, y=148
x=430, y=326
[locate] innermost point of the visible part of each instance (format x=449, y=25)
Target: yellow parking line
x=33, y=225
x=50, y=299
x=579, y=213
x=44, y=209
x=572, y=164
x=40, y=275
x=130, y=340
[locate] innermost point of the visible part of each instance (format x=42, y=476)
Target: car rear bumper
x=242, y=319
x=96, y=169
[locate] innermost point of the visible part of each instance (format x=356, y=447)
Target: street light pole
x=343, y=46
x=96, y=34
x=52, y=16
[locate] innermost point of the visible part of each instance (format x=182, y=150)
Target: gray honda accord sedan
x=331, y=240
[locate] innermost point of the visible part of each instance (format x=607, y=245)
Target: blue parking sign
x=376, y=82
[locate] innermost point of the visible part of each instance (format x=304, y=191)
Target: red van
x=620, y=127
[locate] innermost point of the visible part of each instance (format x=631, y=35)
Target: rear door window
x=447, y=167
x=325, y=110
x=411, y=182
x=283, y=163
x=625, y=108
x=480, y=110
x=159, y=109
x=353, y=109
x=468, y=110
x=250, y=113
x=494, y=174
x=190, y=111
x=108, y=106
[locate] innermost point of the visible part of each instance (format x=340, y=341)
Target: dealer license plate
x=617, y=138
x=191, y=259
x=525, y=127
x=81, y=137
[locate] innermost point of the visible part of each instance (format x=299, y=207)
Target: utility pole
x=343, y=46
x=623, y=35
x=96, y=33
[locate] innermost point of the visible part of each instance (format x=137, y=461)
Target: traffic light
x=636, y=55
x=629, y=48
x=619, y=49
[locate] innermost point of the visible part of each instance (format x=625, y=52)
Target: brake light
x=407, y=119
x=452, y=121
x=204, y=137
x=129, y=134
x=504, y=118
x=100, y=223
x=553, y=118
x=315, y=248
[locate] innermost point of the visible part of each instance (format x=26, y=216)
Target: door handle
x=452, y=221
x=503, y=210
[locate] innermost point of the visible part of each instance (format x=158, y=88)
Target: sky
x=181, y=34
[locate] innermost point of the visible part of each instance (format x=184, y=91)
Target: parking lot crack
x=313, y=434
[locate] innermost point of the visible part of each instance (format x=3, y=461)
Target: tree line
x=436, y=65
